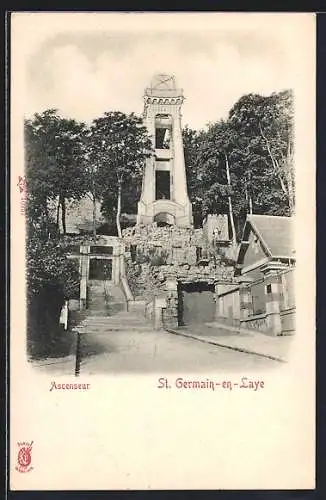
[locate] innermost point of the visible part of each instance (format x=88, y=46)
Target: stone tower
x=164, y=198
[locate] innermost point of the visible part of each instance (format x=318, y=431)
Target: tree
x=244, y=164
x=54, y=172
x=268, y=125
x=214, y=156
x=191, y=142
x=54, y=161
x=118, y=147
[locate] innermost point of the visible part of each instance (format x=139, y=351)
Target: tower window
x=162, y=138
x=162, y=185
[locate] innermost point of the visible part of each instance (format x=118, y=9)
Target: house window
x=269, y=288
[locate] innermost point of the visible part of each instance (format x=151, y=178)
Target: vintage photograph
x=162, y=172
x=160, y=201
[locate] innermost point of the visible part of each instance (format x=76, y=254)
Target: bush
x=51, y=279
x=47, y=265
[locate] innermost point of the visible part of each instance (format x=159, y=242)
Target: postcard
x=162, y=172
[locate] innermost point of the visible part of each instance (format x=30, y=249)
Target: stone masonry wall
x=177, y=244
x=165, y=256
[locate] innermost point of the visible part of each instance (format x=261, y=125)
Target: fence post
x=78, y=355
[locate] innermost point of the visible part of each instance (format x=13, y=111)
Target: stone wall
x=258, y=323
x=288, y=321
x=79, y=215
x=162, y=257
x=177, y=245
x=144, y=281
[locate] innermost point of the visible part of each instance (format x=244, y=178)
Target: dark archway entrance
x=164, y=219
x=100, y=269
x=196, y=303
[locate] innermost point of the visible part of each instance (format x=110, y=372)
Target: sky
x=86, y=64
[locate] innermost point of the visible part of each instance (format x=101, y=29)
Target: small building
x=264, y=299
x=100, y=260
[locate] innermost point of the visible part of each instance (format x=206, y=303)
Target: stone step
x=107, y=311
x=104, y=320
x=107, y=306
x=115, y=323
x=115, y=292
x=144, y=328
x=136, y=306
x=120, y=315
x=115, y=319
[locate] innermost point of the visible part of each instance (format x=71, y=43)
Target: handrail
x=123, y=280
x=125, y=288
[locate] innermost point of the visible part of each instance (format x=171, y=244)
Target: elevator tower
x=164, y=198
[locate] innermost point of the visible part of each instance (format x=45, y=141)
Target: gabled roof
x=276, y=233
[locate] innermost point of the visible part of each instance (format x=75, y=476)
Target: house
x=264, y=298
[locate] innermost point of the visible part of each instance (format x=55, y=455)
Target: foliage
x=255, y=146
x=191, y=142
x=51, y=278
x=133, y=272
x=265, y=127
x=48, y=267
x=54, y=161
x=118, y=145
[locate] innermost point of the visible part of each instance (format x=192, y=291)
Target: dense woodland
x=240, y=165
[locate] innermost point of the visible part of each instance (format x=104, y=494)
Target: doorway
x=100, y=269
x=196, y=304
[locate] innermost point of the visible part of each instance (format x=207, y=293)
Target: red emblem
x=24, y=457
x=21, y=184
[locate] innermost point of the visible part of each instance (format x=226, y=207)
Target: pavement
x=64, y=365
x=145, y=351
x=238, y=339
x=161, y=352
x=125, y=342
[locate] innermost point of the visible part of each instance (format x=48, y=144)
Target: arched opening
x=163, y=131
x=164, y=219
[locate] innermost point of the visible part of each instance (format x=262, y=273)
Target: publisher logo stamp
x=22, y=186
x=24, y=457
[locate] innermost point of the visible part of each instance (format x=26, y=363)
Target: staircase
x=104, y=298
x=107, y=311
x=120, y=321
